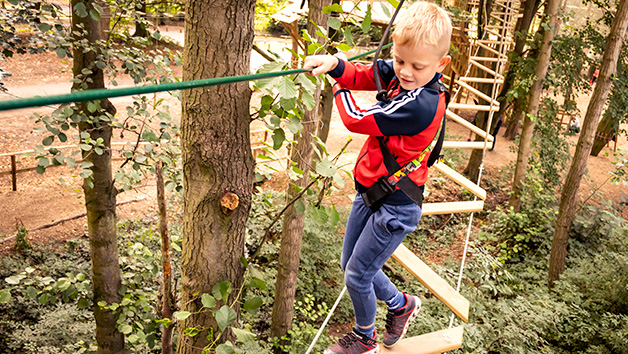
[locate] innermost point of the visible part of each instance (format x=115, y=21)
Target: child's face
x=416, y=65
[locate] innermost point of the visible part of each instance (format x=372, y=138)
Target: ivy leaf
x=208, y=300
x=182, y=315
x=222, y=290
x=325, y=168
x=253, y=304
x=286, y=88
x=225, y=348
x=5, y=296
x=278, y=138
x=294, y=125
x=243, y=336
x=224, y=316
x=333, y=8
x=334, y=23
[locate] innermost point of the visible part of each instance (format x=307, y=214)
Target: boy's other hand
x=320, y=63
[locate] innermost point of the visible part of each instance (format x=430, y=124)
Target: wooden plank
x=481, y=79
x=472, y=107
x=481, y=44
x=466, y=145
x=476, y=92
x=452, y=207
x=429, y=343
x=458, y=119
x=487, y=69
x=488, y=59
x=437, y=285
x=460, y=180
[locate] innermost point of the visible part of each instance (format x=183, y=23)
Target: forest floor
x=44, y=199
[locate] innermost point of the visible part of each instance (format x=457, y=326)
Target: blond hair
x=424, y=23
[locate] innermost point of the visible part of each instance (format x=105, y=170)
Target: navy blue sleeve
x=407, y=114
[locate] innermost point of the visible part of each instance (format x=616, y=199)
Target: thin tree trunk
x=551, y=14
x=167, y=301
x=292, y=231
x=217, y=161
x=140, y=27
x=569, y=195
x=100, y=199
x=325, y=111
x=605, y=132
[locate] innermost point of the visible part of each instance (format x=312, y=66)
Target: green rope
x=92, y=95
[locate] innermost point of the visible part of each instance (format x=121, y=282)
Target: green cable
x=99, y=94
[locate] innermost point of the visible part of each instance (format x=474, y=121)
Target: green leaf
x=94, y=15
x=308, y=82
x=191, y=331
x=80, y=9
x=208, y=300
x=288, y=104
x=348, y=35
x=62, y=137
x=308, y=100
x=48, y=140
x=334, y=216
x=243, y=336
x=253, y=304
x=294, y=125
x=43, y=299
x=344, y=47
x=125, y=329
x=31, y=292
x=334, y=23
x=257, y=283
x=61, y=53
x=333, y=8
x=313, y=48
x=325, y=168
x=14, y=280
x=278, y=138
x=366, y=24
x=5, y=296
x=44, y=27
x=222, y=290
x=225, y=348
x=299, y=206
x=133, y=338
x=394, y=3
x=224, y=317
x=286, y=88
x=182, y=315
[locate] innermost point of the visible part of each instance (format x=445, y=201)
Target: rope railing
x=99, y=94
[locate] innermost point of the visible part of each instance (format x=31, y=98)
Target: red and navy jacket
x=409, y=121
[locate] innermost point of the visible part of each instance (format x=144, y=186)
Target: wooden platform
x=430, y=343
x=452, y=207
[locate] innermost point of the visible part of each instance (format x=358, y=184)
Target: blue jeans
x=370, y=239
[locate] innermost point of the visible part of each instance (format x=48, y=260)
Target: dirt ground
x=56, y=195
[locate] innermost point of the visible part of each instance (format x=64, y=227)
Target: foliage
x=263, y=10
x=21, y=241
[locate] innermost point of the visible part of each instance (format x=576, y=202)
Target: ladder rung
x=476, y=91
x=429, y=343
x=452, y=207
x=488, y=70
x=483, y=45
x=489, y=59
x=474, y=107
x=460, y=180
x=458, y=119
x=433, y=282
x=486, y=80
x=465, y=145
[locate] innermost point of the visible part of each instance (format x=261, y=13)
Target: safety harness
x=376, y=195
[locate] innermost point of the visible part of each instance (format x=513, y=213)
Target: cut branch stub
x=229, y=202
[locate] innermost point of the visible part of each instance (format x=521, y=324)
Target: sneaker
x=354, y=343
x=397, y=321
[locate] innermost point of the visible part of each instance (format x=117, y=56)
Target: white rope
x=488, y=125
x=331, y=312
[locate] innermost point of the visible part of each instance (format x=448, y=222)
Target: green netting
x=91, y=95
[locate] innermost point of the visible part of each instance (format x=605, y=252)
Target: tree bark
x=217, y=161
x=569, y=194
x=551, y=14
x=100, y=199
x=140, y=27
x=292, y=231
x=167, y=299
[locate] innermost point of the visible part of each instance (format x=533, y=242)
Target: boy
x=406, y=124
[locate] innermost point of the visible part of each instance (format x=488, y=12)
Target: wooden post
x=294, y=63
x=13, y=173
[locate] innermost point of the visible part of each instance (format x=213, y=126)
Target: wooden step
x=460, y=180
x=486, y=69
x=473, y=107
x=481, y=44
x=489, y=59
x=486, y=80
x=452, y=207
x=466, y=145
x=476, y=92
x=458, y=119
x=437, y=285
x=429, y=343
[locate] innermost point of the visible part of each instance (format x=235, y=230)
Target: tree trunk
x=551, y=15
x=100, y=199
x=605, y=132
x=569, y=195
x=530, y=7
x=217, y=161
x=292, y=231
x=167, y=299
x=140, y=27
x=324, y=114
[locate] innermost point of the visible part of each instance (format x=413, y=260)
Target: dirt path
x=42, y=199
